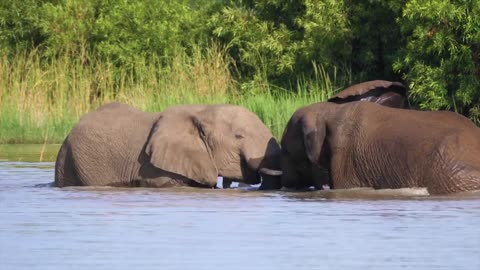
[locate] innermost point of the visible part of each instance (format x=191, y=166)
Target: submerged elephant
x=362, y=144
x=391, y=94
x=118, y=145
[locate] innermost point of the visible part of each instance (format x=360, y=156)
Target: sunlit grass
x=41, y=101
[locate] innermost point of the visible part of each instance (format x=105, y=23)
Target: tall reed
x=41, y=100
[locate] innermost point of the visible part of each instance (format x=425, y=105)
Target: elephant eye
x=239, y=136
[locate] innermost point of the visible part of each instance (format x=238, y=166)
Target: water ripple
x=43, y=227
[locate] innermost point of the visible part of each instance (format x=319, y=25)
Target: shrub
x=441, y=60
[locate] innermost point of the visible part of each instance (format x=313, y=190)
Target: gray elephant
x=118, y=145
x=390, y=94
x=363, y=144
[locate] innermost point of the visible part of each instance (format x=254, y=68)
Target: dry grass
x=41, y=101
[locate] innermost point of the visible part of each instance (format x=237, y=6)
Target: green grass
x=40, y=101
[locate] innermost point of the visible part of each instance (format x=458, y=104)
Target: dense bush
x=19, y=28
x=441, y=60
x=277, y=41
x=434, y=46
x=376, y=38
x=122, y=31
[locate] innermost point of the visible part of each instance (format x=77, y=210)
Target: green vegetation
x=441, y=59
x=43, y=102
x=30, y=153
x=63, y=58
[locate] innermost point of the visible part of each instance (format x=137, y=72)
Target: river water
x=43, y=227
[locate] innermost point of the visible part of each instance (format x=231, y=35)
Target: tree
x=441, y=60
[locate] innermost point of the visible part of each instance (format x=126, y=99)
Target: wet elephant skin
x=363, y=144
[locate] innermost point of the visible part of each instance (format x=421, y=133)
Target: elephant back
x=387, y=93
x=106, y=142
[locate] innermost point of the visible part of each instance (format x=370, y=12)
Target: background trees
x=433, y=46
x=441, y=57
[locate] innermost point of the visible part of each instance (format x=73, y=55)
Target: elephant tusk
x=270, y=172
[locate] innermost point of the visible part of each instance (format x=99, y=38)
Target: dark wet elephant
x=118, y=145
x=362, y=144
x=386, y=93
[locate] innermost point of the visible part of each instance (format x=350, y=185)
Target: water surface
x=42, y=227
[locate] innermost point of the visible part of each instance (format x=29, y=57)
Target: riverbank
x=29, y=152
x=20, y=123
x=41, y=101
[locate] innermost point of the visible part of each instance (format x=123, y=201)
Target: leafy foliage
x=284, y=38
x=122, y=31
x=19, y=29
x=441, y=60
x=269, y=45
x=376, y=38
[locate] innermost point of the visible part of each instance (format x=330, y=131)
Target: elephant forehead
x=185, y=108
x=172, y=120
x=225, y=119
x=242, y=125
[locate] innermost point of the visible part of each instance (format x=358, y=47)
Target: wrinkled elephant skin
x=118, y=145
x=363, y=144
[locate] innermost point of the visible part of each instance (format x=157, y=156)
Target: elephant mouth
x=270, y=172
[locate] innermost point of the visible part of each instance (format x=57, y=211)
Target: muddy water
x=42, y=227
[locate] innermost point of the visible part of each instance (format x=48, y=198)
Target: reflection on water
x=42, y=227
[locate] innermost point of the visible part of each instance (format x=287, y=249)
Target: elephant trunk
x=270, y=171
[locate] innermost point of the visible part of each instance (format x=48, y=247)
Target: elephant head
x=391, y=94
x=305, y=150
x=202, y=142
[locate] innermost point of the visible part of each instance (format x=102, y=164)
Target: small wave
x=360, y=194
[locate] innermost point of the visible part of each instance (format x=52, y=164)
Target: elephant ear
x=177, y=144
x=313, y=138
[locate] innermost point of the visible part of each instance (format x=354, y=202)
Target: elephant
x=363, y=144
x=184, y=145
x=391, y=94
x=386, y=93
